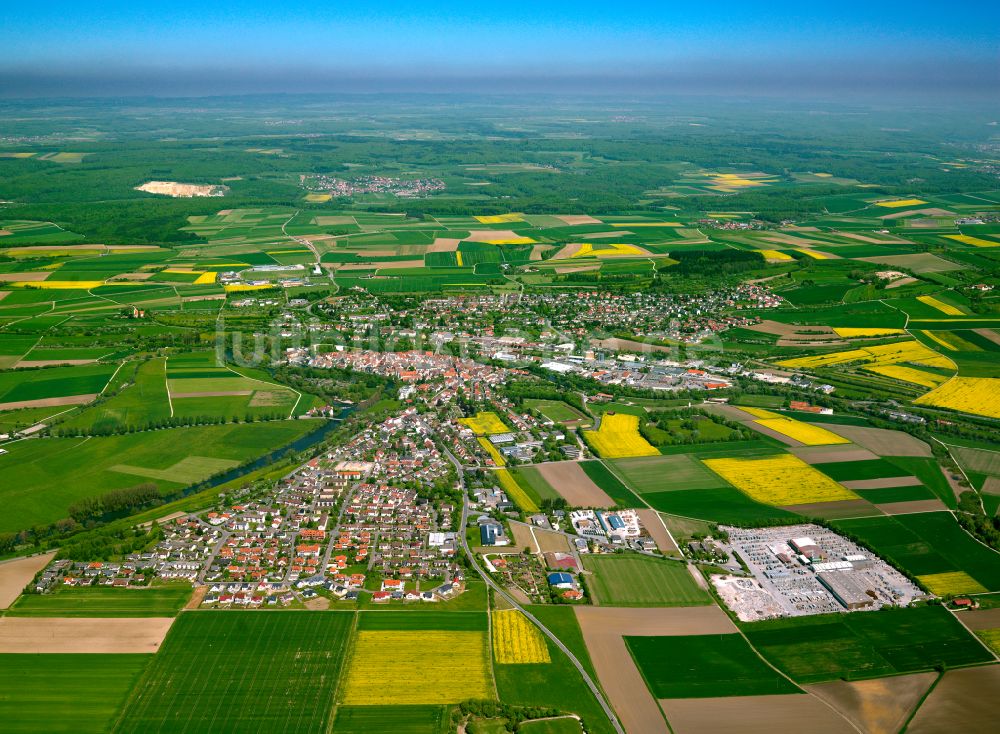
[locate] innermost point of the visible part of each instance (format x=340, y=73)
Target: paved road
x=598, y=694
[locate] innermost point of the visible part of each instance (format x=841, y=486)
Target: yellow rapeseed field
x=458, y=258
x=973, y=395
x=59, y=284
x=991, y=638
x=240, y=287
x=490, y=449
x=485, y=424
x=951, y=342
x=516, y=640
x=882, y=354
x=813, y=254
x=500, y=219
x=976, y=241
x=849, y=332
x=618, y=437
x=952, y=583
x=779, y=480
x=206, y=278
x=908, y=374
x=318, y=198
x=945, y=308
x=802, y=432
x=397, y=667
x=607, y=250
x=515, y=491
x=775, y=255
x=512, y=241
x=900, y=202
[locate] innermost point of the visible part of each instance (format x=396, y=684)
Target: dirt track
x=15, y=574
x=569, y=480
x=75, y=635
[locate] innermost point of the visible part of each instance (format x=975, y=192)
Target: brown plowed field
x=879, y=706
x=569, y=480
x=879, y=440
x=17, y=573
x=752, y=715
x=964, y=701
x=76, y=635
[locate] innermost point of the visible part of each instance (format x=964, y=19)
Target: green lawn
x=557, y=411
x=238, y=672
x=639, y=581
x=704, y=666
x=104, y=601
x=865, y=644
x=43, y=477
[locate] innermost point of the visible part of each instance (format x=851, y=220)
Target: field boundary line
x=166, y=384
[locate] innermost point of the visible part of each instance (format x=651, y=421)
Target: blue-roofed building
x=561, y=580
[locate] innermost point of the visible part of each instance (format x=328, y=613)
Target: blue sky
x=321, y=41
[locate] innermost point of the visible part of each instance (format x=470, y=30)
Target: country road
x=598, y=694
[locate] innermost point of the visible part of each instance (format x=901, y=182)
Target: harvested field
x=751, y=715
x=605, y=235
x=879, y=706
x=538, y=540
x=18, y=573
x=980, y=619
x=574, y=220
x=964, y=700
x=923, y=262
x=792, y=330
x=383, y=265
x=570, y=481
x=81, y=634
x=485, y=235
x=882, y=483
x=568, y=251
x=906, y=508
x=13, y=277
x=901, y=282
x=647, y=622
x=650, y=520
x=832, y=454
x=49, y=402
x=577, y=268
x=881, y=441
x=444, y=244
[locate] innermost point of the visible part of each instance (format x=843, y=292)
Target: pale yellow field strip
x=82, y=635
x=17, y=573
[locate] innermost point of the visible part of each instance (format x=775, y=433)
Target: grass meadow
x=635, y=581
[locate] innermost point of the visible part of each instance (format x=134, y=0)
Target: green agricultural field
x=551, y=726
x=75, y=694
x=391, y=720
x=558, y=412
x=104, y=601
x=648, y=474
x=54, y=382
x=419, y=619
x=865, y=644
x=46, y=476
x=601, y=476
x=235, y=672
x=638, y=581
x=846, y=471
x=139, y=404
x=724, y=505
x=529, y=477
x=926, y=544
x=704, y=666
x=531, y=684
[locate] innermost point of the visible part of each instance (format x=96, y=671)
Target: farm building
x=561, y=580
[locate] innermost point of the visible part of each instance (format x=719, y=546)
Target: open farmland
x=761, y=714
x=618, y=437
x=804, y=433
x=780, y=480
x=693, y=666
x=75, y=694
x=17, y=573
x=406, y=667
x=38, y=491
x=962, y=699
x=516, y=641
x=864, y=645
x=237, y=671
x=974, y=395
x=484, y=424
x=636, y=581
x=104, y=601
x=666, y=473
